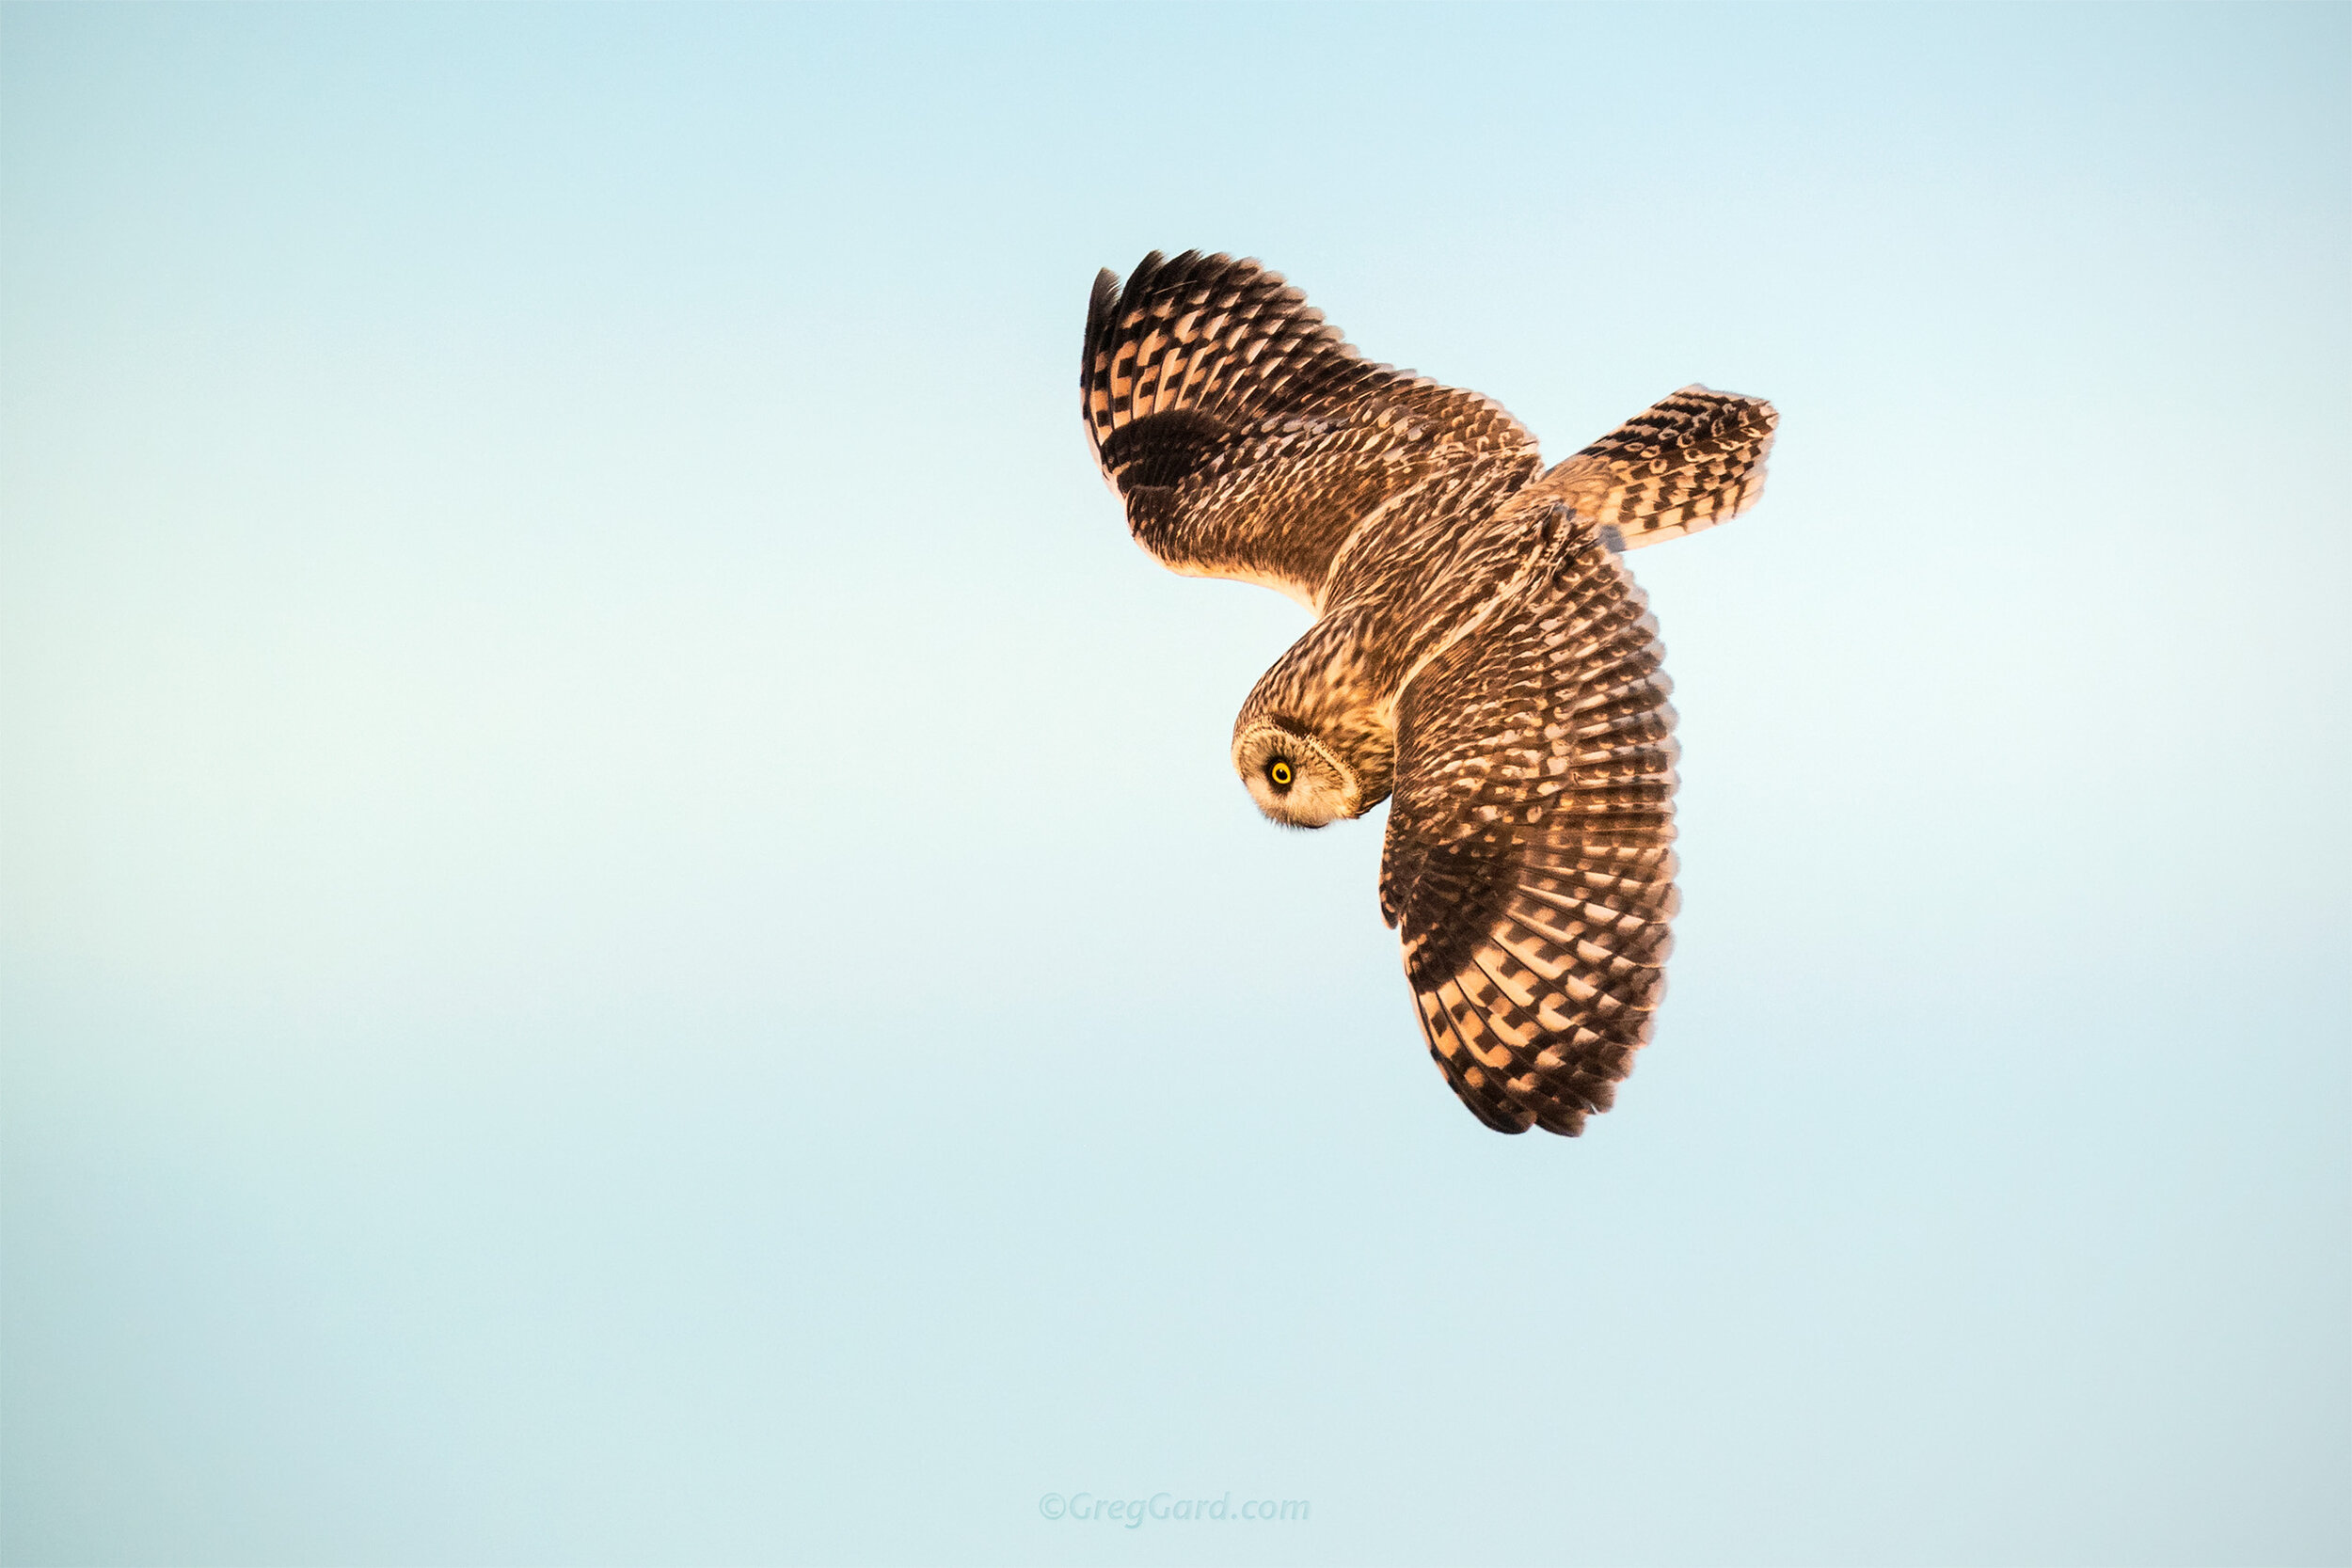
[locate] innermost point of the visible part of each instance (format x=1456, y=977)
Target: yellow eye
x=1281, y=773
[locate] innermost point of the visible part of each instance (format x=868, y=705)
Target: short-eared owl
x=1479, y=651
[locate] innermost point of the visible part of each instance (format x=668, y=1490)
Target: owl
x=1480, y=657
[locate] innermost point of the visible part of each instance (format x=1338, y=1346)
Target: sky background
x=625, y=935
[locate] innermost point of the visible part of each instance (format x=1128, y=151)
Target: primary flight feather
x=1479, y=651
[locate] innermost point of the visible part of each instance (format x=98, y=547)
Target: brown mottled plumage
x=1479, y=649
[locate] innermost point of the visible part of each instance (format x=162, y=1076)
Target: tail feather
x=1685, y=463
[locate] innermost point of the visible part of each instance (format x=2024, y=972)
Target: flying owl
x=1479, y=651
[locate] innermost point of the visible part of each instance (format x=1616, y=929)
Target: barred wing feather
x=1246, y=438
x=1528, y=861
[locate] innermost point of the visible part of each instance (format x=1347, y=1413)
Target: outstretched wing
x=1247, y=436
x=1685, y=463
x=1528, y=861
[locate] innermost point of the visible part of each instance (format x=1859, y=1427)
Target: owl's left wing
x=1246, y=438
x=1528, y=861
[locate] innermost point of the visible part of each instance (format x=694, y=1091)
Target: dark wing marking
x=1685, y=463
x=1247, y=436
x=1528, y=861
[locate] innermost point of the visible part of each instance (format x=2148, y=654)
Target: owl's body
x=1479, y=651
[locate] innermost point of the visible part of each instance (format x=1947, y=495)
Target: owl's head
x=1303, y=779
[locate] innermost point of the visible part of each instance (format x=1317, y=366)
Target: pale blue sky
x=625, y=935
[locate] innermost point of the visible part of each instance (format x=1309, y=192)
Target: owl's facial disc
x=1294, y=777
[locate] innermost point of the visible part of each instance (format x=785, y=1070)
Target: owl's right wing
x=1528, y=861
x=1246, y=435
